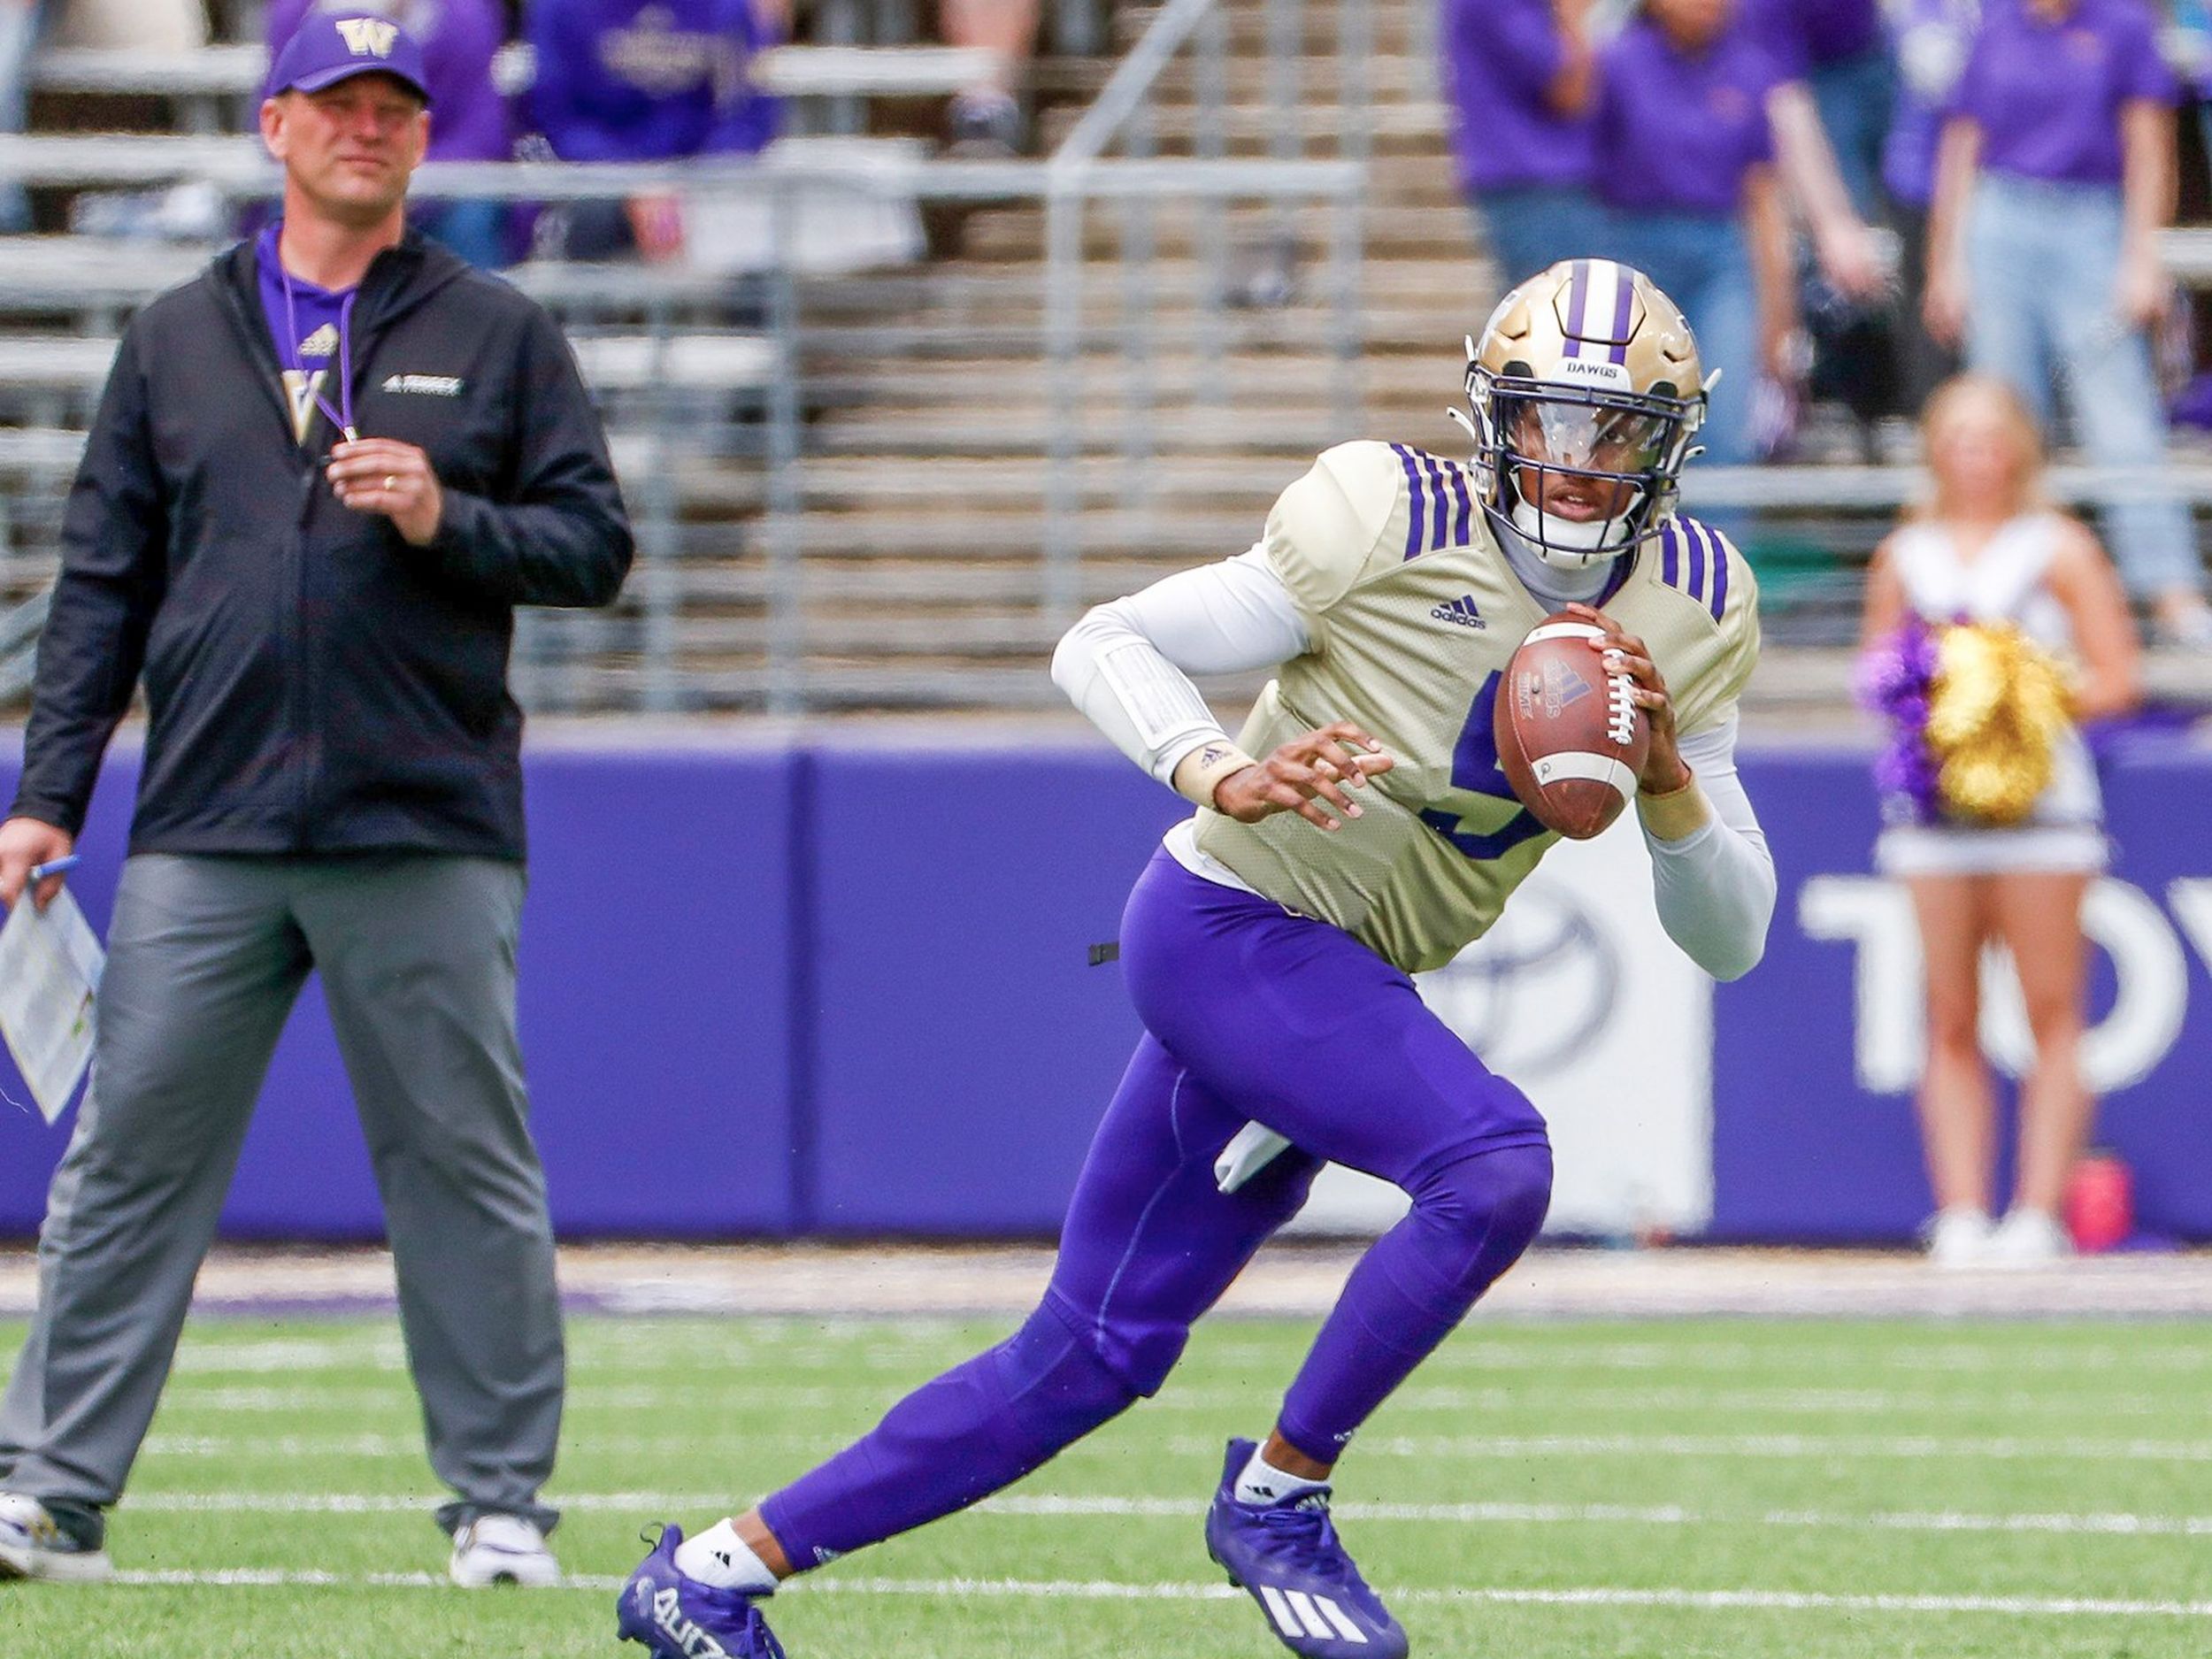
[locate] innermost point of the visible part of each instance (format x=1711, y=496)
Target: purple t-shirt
x=1677, y=131
x=1802, y=35
x=629, y=80
x=308, y=326
x=1499, y=57
x=469, y=120
x=2047, y=96
x=1931, y=39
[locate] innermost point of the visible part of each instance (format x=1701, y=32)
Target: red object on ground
x=2100, y=1201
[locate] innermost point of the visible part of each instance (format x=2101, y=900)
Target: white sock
x=1262, y=1483
x=718, y=1557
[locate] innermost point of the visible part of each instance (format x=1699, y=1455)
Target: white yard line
x=410, y=1446
x=398, y=1397
x=1998, y=1448
x=898, y=1346
x=1100, y=1590
x=1778, y=1447
x=648, y=1504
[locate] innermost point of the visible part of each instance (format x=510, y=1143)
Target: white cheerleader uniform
x=2004, y=582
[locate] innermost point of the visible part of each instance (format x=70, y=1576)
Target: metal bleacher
x=892, y=486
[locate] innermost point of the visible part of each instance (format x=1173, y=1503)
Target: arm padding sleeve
x=1127, y=665
x=1715, y=889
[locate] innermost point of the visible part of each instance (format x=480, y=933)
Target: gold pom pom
x=1999, y=705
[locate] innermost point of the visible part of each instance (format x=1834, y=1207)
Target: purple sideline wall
x=843, y=990
x=1802, y=1151
x=656, y=1002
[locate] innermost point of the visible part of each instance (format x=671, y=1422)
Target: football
x=1569, y=735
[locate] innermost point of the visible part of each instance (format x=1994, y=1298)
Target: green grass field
x=1818, y=1490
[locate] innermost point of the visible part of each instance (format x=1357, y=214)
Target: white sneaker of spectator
x=2027, y=1238
x=34, y=1545
x=502, y=1549
x=1959, y=1237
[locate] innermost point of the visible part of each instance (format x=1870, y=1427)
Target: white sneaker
x=1959, y=1237
x=502, y=1549
x=2029, y=1238
x=32, y=1546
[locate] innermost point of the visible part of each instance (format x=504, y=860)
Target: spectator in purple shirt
x=1684, y=164
x=1520, y=75
x=2055, y=171
x=459, y=38
x=646, y=80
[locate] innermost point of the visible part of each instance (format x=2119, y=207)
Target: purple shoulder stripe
x=1719, y=600
x=1463, y=524
x=1669, y=554
x=1440, y=503
x=1700, y=551
x=1417, y=499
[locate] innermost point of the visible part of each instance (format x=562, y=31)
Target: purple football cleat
x=1286, y=1556
x=676, y=1617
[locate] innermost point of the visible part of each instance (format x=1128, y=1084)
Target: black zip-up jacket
x=315, y=684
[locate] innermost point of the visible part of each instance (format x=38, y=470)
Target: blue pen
x=58, y=867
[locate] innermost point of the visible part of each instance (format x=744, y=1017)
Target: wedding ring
x=391, y=482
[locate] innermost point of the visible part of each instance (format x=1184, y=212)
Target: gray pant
x=206, y=956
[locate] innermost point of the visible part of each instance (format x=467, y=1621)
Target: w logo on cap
x=368, y=37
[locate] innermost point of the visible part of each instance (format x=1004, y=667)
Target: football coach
x=322, y=476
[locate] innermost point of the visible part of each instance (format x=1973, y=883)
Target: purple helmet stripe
x=1719, y=602
x=1694, y=534
x=1462, y=527
x=1442, y=504
x=1625, y=291
x=1670, y=554
x=1578, y=304
x=1417, y=499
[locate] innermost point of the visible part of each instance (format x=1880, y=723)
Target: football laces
x=1620, y=702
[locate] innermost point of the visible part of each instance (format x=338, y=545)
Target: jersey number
x=1475, y=770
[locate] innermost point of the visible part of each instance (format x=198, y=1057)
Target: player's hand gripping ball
x=1569, y=734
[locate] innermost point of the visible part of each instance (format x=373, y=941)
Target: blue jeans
x=2042, y=258
x=1854, y=99
x=19, y=26
x=1703, y=264
x=1533, y=229
x=475, y=230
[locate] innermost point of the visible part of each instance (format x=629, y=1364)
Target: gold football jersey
x=1413, y=614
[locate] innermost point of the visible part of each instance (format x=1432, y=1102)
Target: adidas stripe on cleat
x=1287, y=1557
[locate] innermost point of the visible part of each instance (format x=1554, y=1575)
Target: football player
x=1358, y=831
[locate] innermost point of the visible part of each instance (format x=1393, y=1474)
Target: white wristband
x=1199, y=773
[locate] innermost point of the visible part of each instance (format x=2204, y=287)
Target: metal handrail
x=18, y=644
x=1079, y=173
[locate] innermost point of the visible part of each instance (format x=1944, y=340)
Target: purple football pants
x=1250, y=1013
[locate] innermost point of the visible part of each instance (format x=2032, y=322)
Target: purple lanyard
x=342, y=417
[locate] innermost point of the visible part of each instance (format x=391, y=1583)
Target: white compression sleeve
x=1715, y=889
x=1127, y=665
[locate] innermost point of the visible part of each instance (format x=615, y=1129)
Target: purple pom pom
x=1894, y=680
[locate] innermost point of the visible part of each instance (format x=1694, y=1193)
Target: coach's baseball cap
x=328, y=47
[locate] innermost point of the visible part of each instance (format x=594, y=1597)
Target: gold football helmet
x=1585, y=389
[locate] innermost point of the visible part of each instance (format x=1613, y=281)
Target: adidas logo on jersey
x=1460, y=612
x=321, y=343
x=424, y=385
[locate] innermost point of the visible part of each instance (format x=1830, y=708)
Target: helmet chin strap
x=1569, y=544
